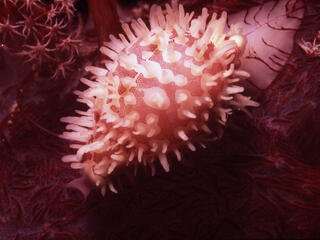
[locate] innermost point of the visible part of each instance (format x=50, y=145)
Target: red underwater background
x=260, y=181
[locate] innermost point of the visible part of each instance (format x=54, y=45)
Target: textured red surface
x=261, y=180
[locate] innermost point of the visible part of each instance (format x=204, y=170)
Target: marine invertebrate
x=254, y=184
x=269, y=30
x=311, y=49
x=44, y=32
x=168, y=86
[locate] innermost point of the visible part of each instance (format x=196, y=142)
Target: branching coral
x=44, y=33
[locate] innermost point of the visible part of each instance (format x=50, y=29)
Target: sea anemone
x=167, y=86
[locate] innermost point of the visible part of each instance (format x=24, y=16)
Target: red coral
x=66, y=6
x=37, y=53
x=29, y=25
x=7, y=29
x=32, y=20
x=63, y=66
x=70, y=43
x=55, y=30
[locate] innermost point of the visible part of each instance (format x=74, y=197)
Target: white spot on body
x=156, y=98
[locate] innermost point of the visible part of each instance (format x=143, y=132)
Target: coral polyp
x=44, y=33
x=167, y=86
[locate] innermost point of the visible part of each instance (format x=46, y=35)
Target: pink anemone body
x=168, y=86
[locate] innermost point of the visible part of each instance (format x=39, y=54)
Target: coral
x=165, y=88
x=44, y=33
x=310, y=49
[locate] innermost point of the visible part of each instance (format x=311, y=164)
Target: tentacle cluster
x=166, y=86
